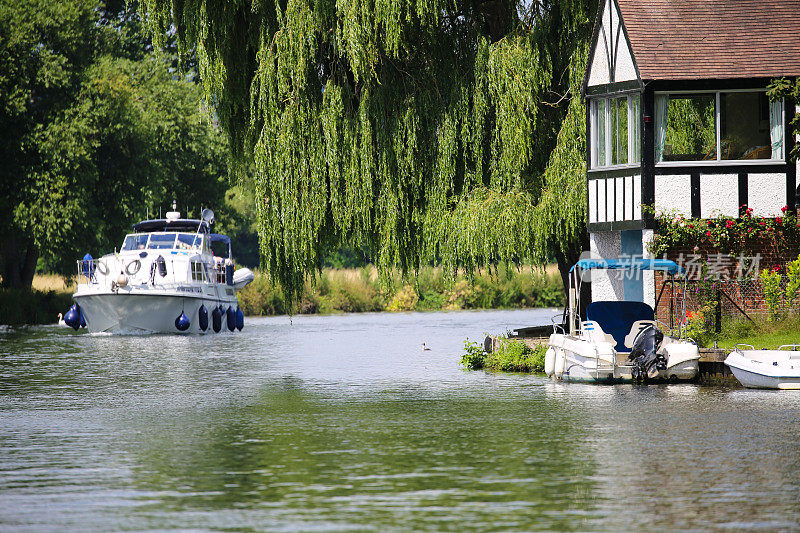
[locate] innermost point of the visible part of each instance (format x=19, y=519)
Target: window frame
x=719, y=162
x=634, y=124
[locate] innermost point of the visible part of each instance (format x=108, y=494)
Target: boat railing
x=557, y=326
x=738, y=349
x=89, y=268
x=91, y=271
x=794, y=347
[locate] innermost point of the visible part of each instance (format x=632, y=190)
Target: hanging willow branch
x=415, y=128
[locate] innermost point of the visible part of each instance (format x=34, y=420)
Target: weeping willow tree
x=426, y=131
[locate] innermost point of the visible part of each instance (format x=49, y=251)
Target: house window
x=719, y=126
x=616, y=134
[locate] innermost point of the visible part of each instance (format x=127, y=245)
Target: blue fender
x=202, y=317
x=73, y=317
x=182, y=322
x=239, y=319
x=230, y=314
x=216, y=319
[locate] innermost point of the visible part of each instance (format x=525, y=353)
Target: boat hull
x=766, y=369
x=123, y=313
x=586, y=361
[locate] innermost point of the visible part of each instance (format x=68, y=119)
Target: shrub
x=404, y=300
x=515, y=356
x=19, y=306
x=771, y=284
x=473, y=356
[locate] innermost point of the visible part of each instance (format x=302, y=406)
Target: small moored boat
x=766, y=369
x=619, y=341
x=165, y=279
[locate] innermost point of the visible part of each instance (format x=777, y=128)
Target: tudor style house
x=678, y=119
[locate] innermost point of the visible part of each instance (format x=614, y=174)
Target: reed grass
x=363, y=290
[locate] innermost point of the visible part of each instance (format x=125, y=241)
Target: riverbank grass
x=762, y=334
x=363, y=290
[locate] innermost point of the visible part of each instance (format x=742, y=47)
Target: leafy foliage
x=736, y=236
x=510, y=356
x=421, y=132
x=96, y=131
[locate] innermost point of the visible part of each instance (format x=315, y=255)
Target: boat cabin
x=678, y=120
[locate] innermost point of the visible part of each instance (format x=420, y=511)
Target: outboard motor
x=646, y=362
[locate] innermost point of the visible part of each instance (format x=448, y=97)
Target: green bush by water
x=361, y=290
x=19, y=306
x=511, y=356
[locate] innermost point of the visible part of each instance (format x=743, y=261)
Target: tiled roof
x=691, y=39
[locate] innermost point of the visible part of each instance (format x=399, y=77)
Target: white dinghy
x=619, y=341
x=766, y=369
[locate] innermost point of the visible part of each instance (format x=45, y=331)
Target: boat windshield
x=135, y=242
x=189, y=241
x=160, y=241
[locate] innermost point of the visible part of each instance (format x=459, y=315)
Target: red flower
x=785, y=208
x=778, y=220
x=762, y=223
x=708, y=234
x=729, y=224
x=776, y=268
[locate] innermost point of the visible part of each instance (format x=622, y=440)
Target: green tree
x=98, y=130
x=422, y=131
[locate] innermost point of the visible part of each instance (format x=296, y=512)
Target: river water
x=346, y=423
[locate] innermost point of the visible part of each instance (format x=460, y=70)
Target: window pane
x=600, y=133
x=163, y=241
x=135, y=242
x=187, y=242
x=636, y=135
x=745, y=126
x=691, y=128
x=622, y=131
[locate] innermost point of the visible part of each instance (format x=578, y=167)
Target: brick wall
x=737, y=295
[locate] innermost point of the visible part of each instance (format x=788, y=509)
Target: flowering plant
x=743, y=235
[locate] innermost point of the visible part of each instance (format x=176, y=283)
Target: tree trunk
x=18, y=271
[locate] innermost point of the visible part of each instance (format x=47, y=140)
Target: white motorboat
x=619, y=341
x=766, y=369
x=165, y=279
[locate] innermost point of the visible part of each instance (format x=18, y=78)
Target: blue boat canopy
x=630, y=263
x=218, y=237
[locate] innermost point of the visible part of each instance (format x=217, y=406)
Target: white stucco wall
x=766, y=194
x=719, y=194
x=601, y=201
x=637, y=197
x=605, y=287
x=625, y=69
x=674, y=193
x=648, y=277
x=599, y=74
